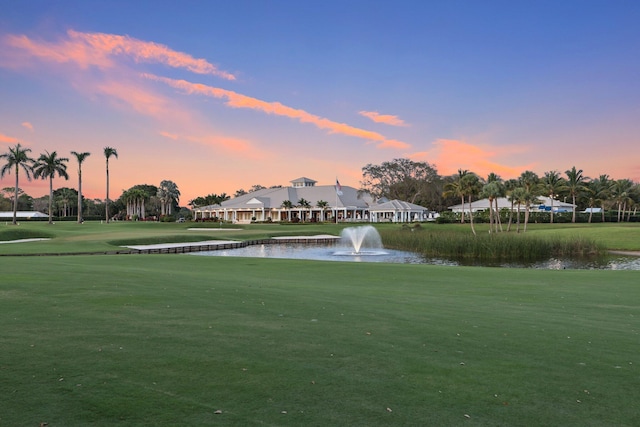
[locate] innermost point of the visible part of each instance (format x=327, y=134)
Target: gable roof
x=396, y=206
x=23, y=214
x=274, y=197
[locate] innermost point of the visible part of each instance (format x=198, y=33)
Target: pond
x=345, y=253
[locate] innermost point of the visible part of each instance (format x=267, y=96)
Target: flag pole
x=338, y=193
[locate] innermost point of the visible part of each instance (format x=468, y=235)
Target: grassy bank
x=434, y=242
x=170, y=340
x=70, y=237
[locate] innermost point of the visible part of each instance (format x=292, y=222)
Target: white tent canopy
x=544, y=205
x=23, y=214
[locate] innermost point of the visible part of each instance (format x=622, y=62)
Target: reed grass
x=494, y=247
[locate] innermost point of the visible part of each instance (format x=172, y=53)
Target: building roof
x=23, y=214
x=303, y=182
x=272, y=198
x=397, y=206
x=504, y=203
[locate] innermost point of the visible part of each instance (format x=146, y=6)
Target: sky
x=223, y=95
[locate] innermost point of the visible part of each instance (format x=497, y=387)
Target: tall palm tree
x=551, y=185
x=455, y=188
x=471, y=186
x=16, y=158
x=599, y=191
x=168, y=194
x=510, y=186
x=517, y=197
x=575, y=185
x=134, y=199
x=621, y=195
x=530, y=182
x=108, y=152
x=492, y=190
x=47, y=166
x=80, y=157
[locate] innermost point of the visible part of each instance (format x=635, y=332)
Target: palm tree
x=575, y=185
x=80, y=157
x=303, y=203
x=552, y=184
x=471, y=186
x=599, y=191
x=517, y=197
x=17, y=157
x=287, y=204
x=492, y=190
x=47, y=166
x=168, y=194
x=621, y=195
x=63, y=198
x=529, y=198
x=455, y=189
x=322, y=204
x=108, y=152
x=529, y=181
x=510, y=186
x=134, y=199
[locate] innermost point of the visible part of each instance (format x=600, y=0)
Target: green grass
x=439, y=243
x=170, y=339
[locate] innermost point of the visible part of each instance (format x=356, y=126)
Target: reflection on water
x=319, y=253
x=339, y=253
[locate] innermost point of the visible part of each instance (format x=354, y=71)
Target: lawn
x=173, y=339
x=183, y=340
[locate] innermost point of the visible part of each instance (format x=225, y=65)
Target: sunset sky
x=221, y=95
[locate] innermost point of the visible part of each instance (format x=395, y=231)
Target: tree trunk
x=51, y=200
x=106, y=205
x=15, y=200
x=79, y=195
x=471, y=217
x=490, y=215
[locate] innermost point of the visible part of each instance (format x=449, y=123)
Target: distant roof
x=503, y=203
x=397, y=205
x=272, y=198
x=303, y=179
x=23, y=214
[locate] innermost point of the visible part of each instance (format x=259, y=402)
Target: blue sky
x=320, y=89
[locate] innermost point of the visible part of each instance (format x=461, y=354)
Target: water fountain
x=362, y=240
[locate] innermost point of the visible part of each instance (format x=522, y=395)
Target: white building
x=23, y=215
x=544, y=205
x=325, y=203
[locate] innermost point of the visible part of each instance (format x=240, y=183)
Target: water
x=319, y=253
x=363, y=244
x=346, y=253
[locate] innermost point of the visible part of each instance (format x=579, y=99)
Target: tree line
x=49, y=165
x=402, y=179
x=420, y=183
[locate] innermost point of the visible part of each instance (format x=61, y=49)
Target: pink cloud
x=7, y=139
x=449, y=155
x=236, y=100
x=98, y=49
x=383, y=118
x=169, y=135
x=27, y=125
x=136, y=97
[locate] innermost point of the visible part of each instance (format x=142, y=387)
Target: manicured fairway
x=171, y=339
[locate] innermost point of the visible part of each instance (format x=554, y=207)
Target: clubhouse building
x=307, y=202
